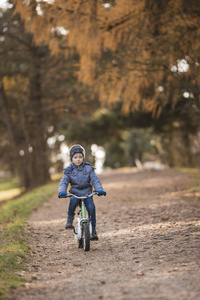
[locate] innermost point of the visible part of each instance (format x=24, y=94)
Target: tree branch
x=115, y=23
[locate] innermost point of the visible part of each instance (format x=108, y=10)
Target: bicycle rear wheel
x=86, y=237
x=80, y=243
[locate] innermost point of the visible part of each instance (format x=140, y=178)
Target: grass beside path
x=13, y=248
x=9, y=188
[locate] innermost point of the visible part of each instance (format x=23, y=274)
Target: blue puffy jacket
x=81, y=178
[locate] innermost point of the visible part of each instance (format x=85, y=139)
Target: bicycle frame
x=83, y=209
x=81, y=219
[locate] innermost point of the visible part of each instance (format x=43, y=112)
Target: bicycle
x=83, y=230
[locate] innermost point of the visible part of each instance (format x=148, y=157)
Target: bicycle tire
x=86, y=237
x=80, y=243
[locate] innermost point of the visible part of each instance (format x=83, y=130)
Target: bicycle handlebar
x=81, y=197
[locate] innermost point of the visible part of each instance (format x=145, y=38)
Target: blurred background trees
x=34, y=89
x=129, y=50
x=123, y=75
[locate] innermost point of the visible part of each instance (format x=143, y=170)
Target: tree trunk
x=28, y=141
x=188, y=159
x=36, y=128
x=19, y=162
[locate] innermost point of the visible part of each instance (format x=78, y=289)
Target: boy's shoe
x=69, y=224
x=94, y=236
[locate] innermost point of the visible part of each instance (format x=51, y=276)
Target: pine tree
x=36, y=92
x=127, y=49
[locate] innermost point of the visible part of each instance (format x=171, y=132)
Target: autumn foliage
x=127, y=49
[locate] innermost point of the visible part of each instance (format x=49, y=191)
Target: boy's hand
x=101, y=193
x=62, y=195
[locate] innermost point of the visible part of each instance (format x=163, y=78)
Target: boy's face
x=77, y=159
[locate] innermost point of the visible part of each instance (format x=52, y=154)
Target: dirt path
x=148, y=248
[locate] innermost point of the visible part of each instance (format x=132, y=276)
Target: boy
x=81, y=177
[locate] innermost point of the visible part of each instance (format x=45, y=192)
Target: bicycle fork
x=83, y=217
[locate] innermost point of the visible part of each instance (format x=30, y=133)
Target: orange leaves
x=145, y=38
x=16, y=84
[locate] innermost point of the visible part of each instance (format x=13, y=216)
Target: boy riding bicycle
x=81, y=176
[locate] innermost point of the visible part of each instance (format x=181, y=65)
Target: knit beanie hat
x=76, y=149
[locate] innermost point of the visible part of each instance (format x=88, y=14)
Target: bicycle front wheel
x=86, y=237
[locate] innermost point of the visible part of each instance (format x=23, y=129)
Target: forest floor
x=148, y=248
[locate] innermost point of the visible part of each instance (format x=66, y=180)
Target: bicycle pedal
x=69, y=227
x=94, y=238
